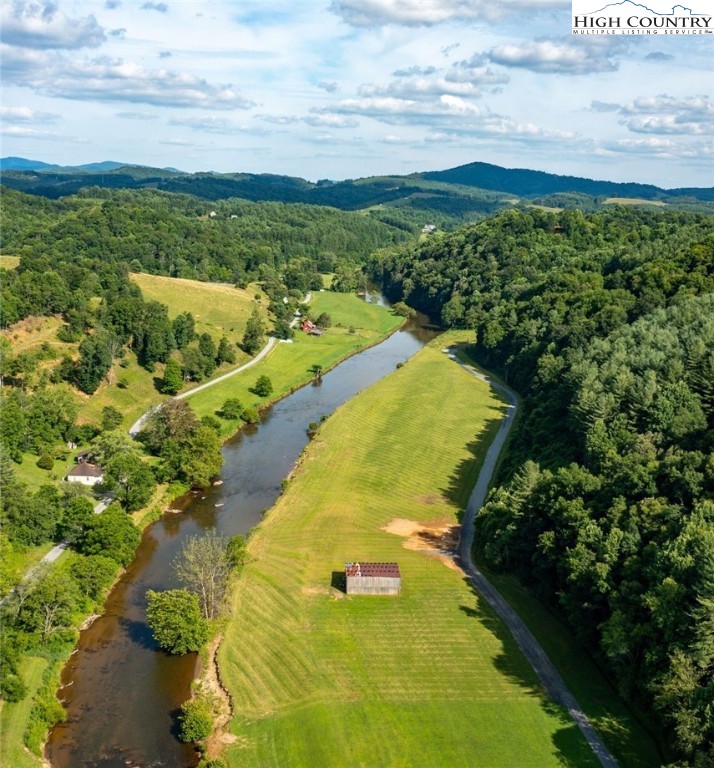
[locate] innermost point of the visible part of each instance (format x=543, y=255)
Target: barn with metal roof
x=373, y=578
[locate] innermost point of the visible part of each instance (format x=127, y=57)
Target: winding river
x=121, y=692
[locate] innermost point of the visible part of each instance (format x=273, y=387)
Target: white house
x=85, y=473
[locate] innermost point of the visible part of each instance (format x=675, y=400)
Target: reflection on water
x=121, y=692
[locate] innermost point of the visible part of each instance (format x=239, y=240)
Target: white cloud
x=405, y=111
x=23, y=132
x=670, y=115
x=659, y=148
x=414, y=70
x=411, y=13
x=328, y=120
x=216, y=125
x=105, y=79
x=43, y=26
x=160, y=7
x=26, y=115
x=329, y=87
x=136, y=115
x=552, y=56
x=279, y=119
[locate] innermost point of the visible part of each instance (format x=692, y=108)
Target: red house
x=308, y=326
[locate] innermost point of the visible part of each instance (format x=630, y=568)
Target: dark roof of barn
x=386, y=570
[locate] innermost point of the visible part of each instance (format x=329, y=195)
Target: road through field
x=545, y=670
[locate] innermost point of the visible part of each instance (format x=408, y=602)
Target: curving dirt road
x=548, y=675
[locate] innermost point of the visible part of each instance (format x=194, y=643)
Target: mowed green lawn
x=289, y=365
x=429, y=678
x=14, y=717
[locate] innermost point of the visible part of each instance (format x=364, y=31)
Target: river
x=121, y=693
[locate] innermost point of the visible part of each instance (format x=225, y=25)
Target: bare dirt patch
x=437, y=539
x=223, y=711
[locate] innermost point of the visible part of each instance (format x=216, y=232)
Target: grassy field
x=9, y=262
x=627, y=737
x=289, y=365
x=430, y=678
x=633, y=201
x=218, y=309
x=14, y=717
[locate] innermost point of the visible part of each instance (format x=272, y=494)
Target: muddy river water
x=122, y=694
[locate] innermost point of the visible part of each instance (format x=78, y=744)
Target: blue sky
x=349, y=88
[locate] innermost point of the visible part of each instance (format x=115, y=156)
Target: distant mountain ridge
x=521, y=181
x=474, y=188
x=23, y=164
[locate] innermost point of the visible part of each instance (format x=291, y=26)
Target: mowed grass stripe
x=430, y=678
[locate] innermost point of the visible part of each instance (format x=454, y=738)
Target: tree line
x=605, y=503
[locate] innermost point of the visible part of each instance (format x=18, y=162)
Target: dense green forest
x=604, y=324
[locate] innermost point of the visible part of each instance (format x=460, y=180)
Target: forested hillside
x=73, y=288
x=605, y=508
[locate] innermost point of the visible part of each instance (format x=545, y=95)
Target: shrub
x=122, y=382
x=111, y=417
x=251, y=416
x=263, y=387
x=231, y=409
x=45, y=461
x=196, y=720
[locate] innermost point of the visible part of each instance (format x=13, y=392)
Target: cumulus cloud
x=216, y=125
x=329, y=87
x=663, y=148
x=398, y=111
x=120, y=32
x=43, y=26
x=319, y=118
x=25, y=132
x=165, y=54
x=670, y=115
x=26, y=115
x=417, y=83
x=160, y=7
x=112, y=5
x=328, y=120
x=554, y=56
x=659, y=56
x=279, y=119
x=412, y=13
x=105, y=79
x=415, y=70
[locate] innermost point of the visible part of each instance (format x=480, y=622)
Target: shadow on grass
x=464, y=477
x=339, y=581
x=569, y=746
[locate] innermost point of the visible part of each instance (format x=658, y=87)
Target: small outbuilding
x=373, y=579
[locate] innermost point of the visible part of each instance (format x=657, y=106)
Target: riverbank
x=337, y=346
x=428, y=678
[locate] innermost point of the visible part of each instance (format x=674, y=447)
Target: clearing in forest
x=218, y=308
x=429, y=678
